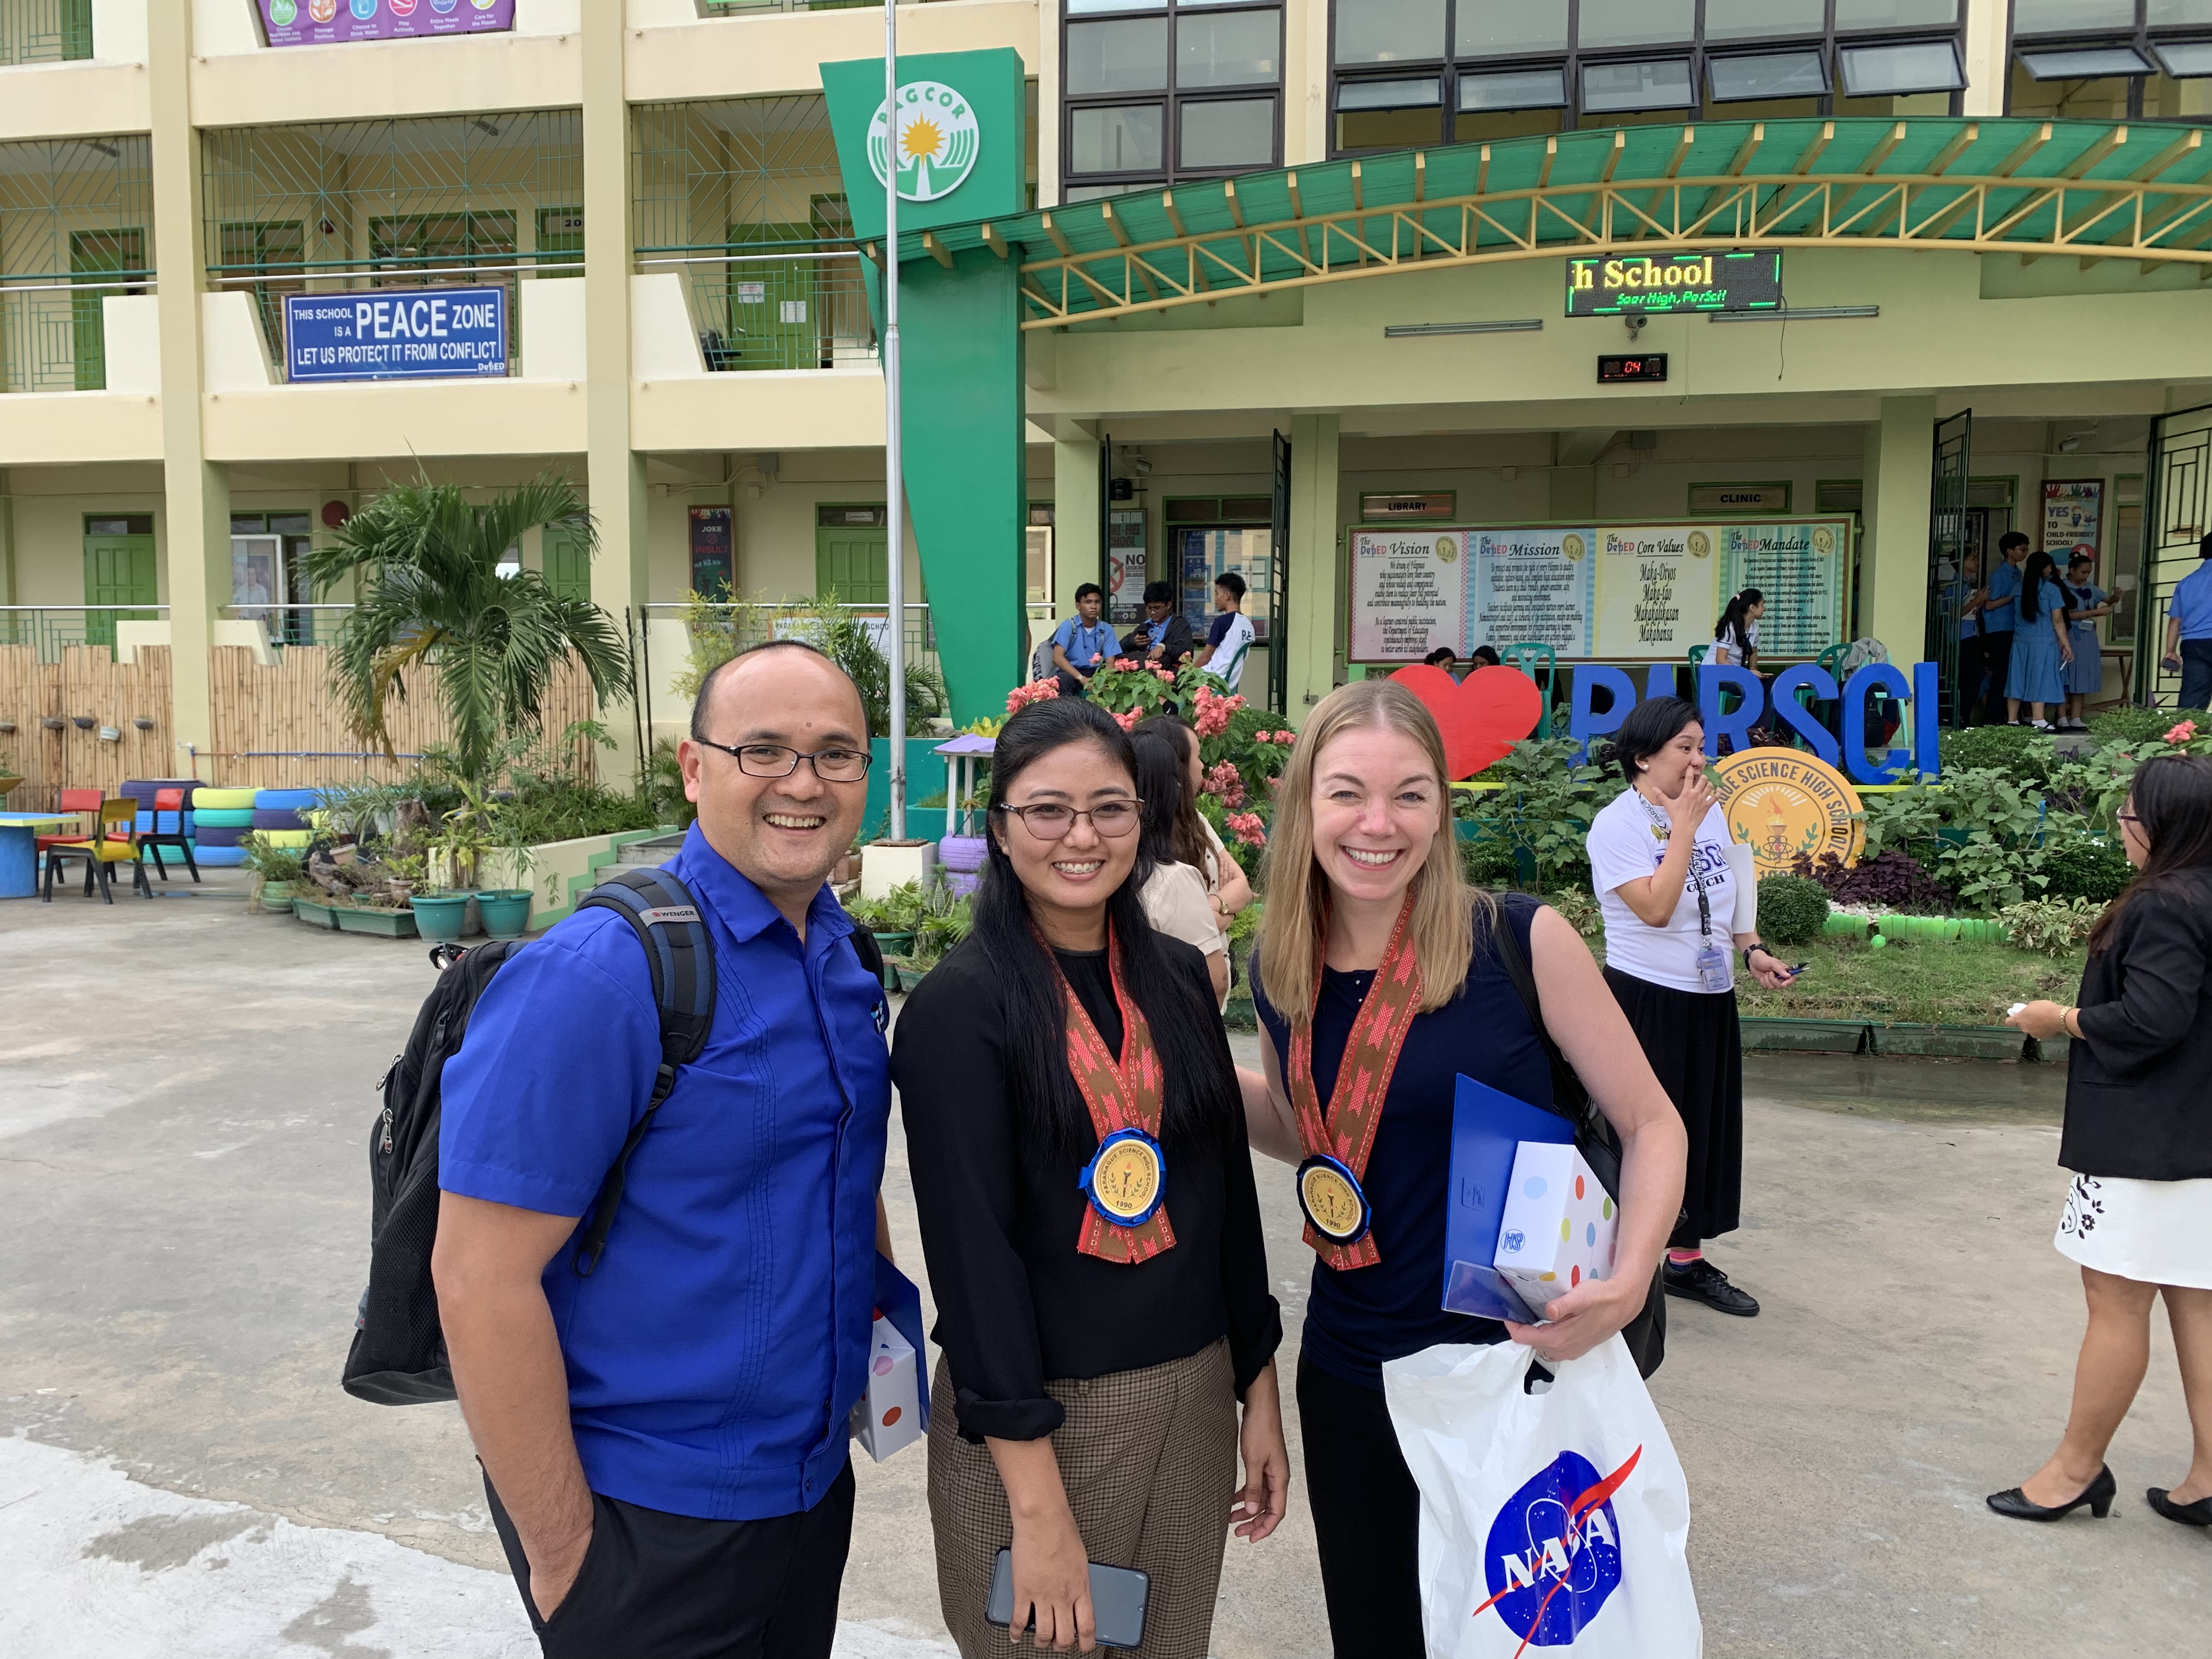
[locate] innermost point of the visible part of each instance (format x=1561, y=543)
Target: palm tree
x=434, y=594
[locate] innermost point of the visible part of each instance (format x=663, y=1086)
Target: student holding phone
x=1659, y=860
x=1090, y=1222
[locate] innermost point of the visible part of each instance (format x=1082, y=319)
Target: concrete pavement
x=185, y=1096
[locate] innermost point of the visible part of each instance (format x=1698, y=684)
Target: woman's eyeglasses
x=775, y=760
x=1048, y=820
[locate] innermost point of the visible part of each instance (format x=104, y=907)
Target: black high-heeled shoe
x=2198, y=1514
x=2099, y=1495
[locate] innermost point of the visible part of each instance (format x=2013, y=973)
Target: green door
x=775, y=304
x=568, y=563
x=98, y=256
x=118, y=574
x=853, y=564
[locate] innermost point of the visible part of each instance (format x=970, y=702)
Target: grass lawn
x=1919, y=983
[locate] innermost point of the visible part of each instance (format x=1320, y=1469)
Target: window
x=1408, y=73
x=2111, y=60
x=1145, y=85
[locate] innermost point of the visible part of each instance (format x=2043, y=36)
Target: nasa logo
x=1554, y=1554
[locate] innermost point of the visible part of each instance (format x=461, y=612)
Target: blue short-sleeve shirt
x=715, y=1355
x=2191, y=602
x=1082, y=644
x=2004, y=583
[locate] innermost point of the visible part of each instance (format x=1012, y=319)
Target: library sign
x=1614, y=284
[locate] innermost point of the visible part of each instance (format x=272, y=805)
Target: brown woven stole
x=1121, y=1093
x=1344, y=1129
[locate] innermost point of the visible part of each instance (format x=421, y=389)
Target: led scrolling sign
x=1615, y=284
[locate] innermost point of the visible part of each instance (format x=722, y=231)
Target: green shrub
x=2053, y=927
x=1580, y=907
x=2081, y=868
x=2132, y=725
x=1791, y=910
x=2020, y=751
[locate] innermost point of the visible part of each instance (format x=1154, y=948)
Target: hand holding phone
x=1118, y=1598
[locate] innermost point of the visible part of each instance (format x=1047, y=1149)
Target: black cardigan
x=2139, y=1082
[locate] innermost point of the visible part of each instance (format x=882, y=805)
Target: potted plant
x=276, y=872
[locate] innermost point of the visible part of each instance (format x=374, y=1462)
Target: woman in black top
x=1076, y=1144
x=2139, y=1138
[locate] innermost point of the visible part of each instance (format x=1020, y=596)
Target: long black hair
x=2041, y=567
x=1173, y=834
x=2172, y=798
x=1650, y=727
x=1735, y=624
x=1201, y=1090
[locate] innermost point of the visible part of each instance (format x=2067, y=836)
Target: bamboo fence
x=275, y=727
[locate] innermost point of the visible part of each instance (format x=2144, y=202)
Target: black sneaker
x=1701, y=1281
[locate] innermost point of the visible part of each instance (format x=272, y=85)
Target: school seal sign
x=934, y=142
x=1782, y=802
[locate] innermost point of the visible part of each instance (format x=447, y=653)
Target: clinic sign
x=1614, y=284
x=405, y=334
x=338, y=22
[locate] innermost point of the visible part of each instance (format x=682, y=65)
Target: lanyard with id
x=1712, y=961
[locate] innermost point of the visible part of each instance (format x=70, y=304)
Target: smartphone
x=1118, y=1595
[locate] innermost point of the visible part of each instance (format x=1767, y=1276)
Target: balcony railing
x=750, y=622
x=49, y=629
x=53, y=331
x=45, y=31
x=291, y=624
x=805, y=307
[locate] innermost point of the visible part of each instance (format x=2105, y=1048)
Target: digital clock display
x=1650, y=366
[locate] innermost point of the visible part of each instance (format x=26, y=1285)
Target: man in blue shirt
x=2189, y=630
x=664, y=1442
x=1082, y=644
x=1964, y=596
x=1999, y=614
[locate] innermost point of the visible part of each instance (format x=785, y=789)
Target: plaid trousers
x=1149, y=1460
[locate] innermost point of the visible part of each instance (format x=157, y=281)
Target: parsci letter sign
x=1609, y=285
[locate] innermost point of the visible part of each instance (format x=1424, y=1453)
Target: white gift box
x=1560, y=1226
x=889, y=1416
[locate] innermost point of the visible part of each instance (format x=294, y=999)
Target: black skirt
x=1692, y=1040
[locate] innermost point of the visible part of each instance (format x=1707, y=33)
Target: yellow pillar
x=615, y=474
x=1893, y=553
x=1315, y=581
x=1075, y=551
x=197, y=492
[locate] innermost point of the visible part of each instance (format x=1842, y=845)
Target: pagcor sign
x=1607, y=285
x=331, y=23
x=411, y=334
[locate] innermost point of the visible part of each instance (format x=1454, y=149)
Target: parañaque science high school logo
x=936, y=142
x=1552, y=1556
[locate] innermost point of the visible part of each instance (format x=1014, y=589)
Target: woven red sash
x=1344, y=1129
x=1121, y=1093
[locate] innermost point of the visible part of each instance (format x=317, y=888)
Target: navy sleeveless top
x=1357, y=1320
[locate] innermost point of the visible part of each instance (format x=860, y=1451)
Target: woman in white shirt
x=1227, y=889
x=1170, y=859
x=1659, y=862
x=1736, y=636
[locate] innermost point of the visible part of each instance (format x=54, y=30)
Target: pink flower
x=2183, y=732
x=1035, y=691
x=1248, y=828
x=1124, y=664
x=1162, y=673
x=1128, y=719
x=1223, y=780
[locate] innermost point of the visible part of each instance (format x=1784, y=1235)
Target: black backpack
x=1646, y=1333
x=398, y=1353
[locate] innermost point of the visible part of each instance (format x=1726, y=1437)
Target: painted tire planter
x=224, y=800
x=275, y=818
x=223, y=818
x=386, y=924
x=963, y=853
x=287, y=800
x=440, y=915
x=505, y=910
x=217, y=858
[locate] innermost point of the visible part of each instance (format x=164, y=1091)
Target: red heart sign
x=1481, y=717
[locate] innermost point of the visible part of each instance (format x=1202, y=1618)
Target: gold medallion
x=1331, y=1202
x=1126, y=1180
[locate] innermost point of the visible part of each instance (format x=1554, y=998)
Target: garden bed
x=1930, y=986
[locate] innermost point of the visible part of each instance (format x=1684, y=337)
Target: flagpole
x=894, y=476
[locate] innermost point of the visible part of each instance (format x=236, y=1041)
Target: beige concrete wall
x=64, y=427
x=106, y=92
x=234, y=353
x=49, y=509
x=671, y=57
x=343, y=422
x=770, y=409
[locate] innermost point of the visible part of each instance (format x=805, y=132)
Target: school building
x=1838, y=291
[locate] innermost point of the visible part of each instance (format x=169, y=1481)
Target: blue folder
x=1487, y=1129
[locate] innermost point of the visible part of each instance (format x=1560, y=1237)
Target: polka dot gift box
x=889, y=1415
x=1560, y=1227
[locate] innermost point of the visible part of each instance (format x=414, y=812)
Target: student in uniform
x=1999, y=616
x=2189, y=631
x=1082, y=644
x=1229, y=641
x=2085, y=675
x=1377, y=981
x=1164, y=637
x=1089, y=1220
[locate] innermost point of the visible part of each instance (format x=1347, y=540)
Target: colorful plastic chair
x=154, y=840
x=72, y=800
x=116, y=844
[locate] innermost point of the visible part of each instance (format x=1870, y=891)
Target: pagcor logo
x=1554, y=1554
x=932, y=143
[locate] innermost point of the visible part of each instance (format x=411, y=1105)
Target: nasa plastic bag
x=1553, y=1521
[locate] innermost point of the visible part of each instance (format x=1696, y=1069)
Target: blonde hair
x=1446, y=910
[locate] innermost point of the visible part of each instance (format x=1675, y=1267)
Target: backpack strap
x=1569, y=1100
x=870, y=953
x=681, y=958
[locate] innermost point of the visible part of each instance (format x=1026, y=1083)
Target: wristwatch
x=1756, y=945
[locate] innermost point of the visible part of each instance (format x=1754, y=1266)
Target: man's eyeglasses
x=1050, y=821
x=776, y=760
